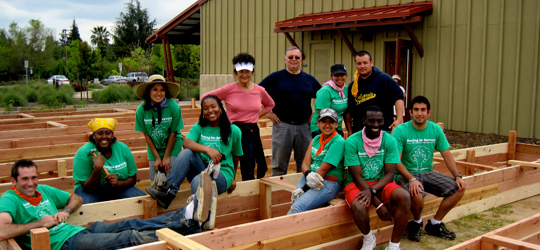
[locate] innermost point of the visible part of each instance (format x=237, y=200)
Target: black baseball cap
x=338, y=68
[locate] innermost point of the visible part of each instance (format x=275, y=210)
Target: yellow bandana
x=354, y=88
x=98, y=123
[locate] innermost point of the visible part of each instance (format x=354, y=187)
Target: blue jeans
x=285, y=138
x=109, y=194
x=314, y=198
x=151, y=165
x=189, y=165
x=132, y=232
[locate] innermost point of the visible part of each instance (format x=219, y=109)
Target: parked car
x=61, y=79
x=136, y=77
x=114, y=79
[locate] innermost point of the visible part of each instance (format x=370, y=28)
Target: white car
x=114, y=79
x=61, y=79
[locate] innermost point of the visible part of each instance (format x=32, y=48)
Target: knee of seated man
x=359, y=208
x=401, y=198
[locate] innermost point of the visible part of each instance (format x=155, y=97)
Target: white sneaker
x=370, y=242
x=387, y=248
x=211, y=222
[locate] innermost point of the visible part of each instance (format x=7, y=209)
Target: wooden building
x=477, y=61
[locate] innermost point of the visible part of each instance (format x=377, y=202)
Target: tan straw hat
x=172, y=87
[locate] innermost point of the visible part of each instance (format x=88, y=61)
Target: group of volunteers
x=363, y=163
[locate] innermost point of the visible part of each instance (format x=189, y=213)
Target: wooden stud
x=512, y=145
x=498, y=240
x=265, y=199
x=193, y=104
x=62, y=168
x=149, y=209
x=524, y=164
x=15, y=143
x=278, y=184
x=39, y=238
x=158, y=245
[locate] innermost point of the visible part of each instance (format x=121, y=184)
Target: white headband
x=244, y=65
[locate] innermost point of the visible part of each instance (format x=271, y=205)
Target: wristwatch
x=458, y=175
x=373, y=190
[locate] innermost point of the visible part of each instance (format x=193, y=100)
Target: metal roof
x=185, y=28
x=360, y=17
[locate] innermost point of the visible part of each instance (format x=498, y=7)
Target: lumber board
x=528, y=148
x=512, y=136
x=158, y=245
x=533, y=238
x=277, y=183
x=265, y=199
x=497, y=240
x=272, y=228
x=39, y=238
x=178, y=240
x=488, y=150
x=9, y=244
x=533, y=165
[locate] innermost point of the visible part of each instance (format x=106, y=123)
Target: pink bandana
x=335, y=87
x=371, y=145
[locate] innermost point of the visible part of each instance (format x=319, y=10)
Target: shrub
x=49, y=96
x=114, y=94
x=29, y=92
x=13, y=98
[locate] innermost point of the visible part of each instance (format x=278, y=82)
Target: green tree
x=100, y=36
x=74, y=33
x=187, y=63
x=138, y=61
x=132, y=28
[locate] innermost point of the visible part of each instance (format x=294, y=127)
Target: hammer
x=92, y=153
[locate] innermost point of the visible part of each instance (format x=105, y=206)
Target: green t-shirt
x=209, y=136
x=417, y=146
x=372, y=168
x=22, y=212
x=171, y=121
x=121, y=163
x=332, y=154
x=327, y=97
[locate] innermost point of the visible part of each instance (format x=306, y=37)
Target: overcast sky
x=59, y=14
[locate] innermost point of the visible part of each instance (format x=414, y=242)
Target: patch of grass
x=51, y=97
x=92, y=86
x=13, y=98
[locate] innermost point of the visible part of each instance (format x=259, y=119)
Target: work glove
x=213, y=169
x=296, y=194
x=159, y=179
x=314, y=181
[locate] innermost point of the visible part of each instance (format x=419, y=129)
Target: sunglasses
x=294, y=57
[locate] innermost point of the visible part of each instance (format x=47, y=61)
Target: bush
x=49, y=96
x=114, y=94
x=29, y=92
x=13, y=98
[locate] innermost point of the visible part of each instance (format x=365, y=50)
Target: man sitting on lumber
x=371, y=156
x=417, y=141
x=29, y=205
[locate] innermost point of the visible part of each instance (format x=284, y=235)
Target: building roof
x=360, y=17
x=185, y=28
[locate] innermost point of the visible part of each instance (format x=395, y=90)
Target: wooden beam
x=51, y=124
x=277, y=183
x=265, y=199
x=416, y=43
x=62, y=168
x=497, y=240
x=158, y=245
x=512, y=145
x=347, y=42
x=178, y=240
x=39, y=238
x=149, y=209
x=524, y=164
x=291, y=40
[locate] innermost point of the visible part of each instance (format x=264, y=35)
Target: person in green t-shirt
x=28, y=206
x=159, y=118
x=212, y=142
x=371, y=157
x=104, y=168
x=322, y=166
x=417, y=140
x=332, y=95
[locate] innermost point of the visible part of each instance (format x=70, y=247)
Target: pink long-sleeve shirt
x=243, y=106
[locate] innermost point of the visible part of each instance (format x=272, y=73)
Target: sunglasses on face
x=294, y=57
